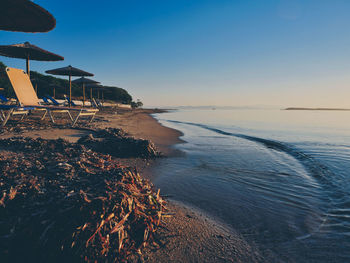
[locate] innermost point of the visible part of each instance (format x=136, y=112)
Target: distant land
x=337, y=109
x=216, y=107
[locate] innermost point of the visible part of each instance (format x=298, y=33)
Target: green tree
x=117, y=94
x=137, y=104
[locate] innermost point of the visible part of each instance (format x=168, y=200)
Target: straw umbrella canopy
x=28, y=51
x=69, y=71
x=25, y=16
x=84, y=81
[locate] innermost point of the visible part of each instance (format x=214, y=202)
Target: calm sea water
x=280, y=178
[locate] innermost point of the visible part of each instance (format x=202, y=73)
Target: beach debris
x=116, y=143
x=63, y=202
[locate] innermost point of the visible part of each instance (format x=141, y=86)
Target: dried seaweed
x=115, y=142
x=62, y=202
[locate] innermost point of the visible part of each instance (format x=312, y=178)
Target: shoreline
x=200, y=238
x=189, y=235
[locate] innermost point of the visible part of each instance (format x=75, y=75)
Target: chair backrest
x=22, y=86
x=69, y=100
x=53, y=100
x=94, y=103
x=46, y=100
x=99, y=103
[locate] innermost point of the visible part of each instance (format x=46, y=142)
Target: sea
x=280, y=178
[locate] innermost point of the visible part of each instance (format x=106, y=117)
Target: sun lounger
x=54, y=102
x=93, y=103
x=99, y=103
x=46, y=101
x=27, y=98
x=11, y=111
x=6, y=101
x=71, y=101
x=5, y=105
x=3, y=99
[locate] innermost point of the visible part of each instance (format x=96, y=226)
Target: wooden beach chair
x=27, y=97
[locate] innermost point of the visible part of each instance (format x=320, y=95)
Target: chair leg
x=44, y=115
x=7, y=117
x=23, y=116
x=70, y=116
x=76, y=119
x=51, y=116
x=93, y=116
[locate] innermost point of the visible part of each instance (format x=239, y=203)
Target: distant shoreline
x=321, y=109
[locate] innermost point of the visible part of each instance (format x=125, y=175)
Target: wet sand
x=140, y=124
x=189, y=235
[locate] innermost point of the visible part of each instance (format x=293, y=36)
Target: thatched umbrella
x=69, y=71
x=84, y=81
x=28, y=51
x=25, y=16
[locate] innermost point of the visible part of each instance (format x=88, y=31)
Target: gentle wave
x=285, y=196
x=317, y=169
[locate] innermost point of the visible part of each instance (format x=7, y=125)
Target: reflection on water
x=279, y=177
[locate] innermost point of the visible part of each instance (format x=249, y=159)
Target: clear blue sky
x=218, y=52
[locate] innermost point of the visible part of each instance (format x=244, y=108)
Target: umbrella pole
x=27, y=65
x=70, y=90
x=54, y=95
x=91, y=93
x=83, y=95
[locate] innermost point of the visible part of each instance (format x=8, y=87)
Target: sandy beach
x=188, y=235
x=174, y=131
